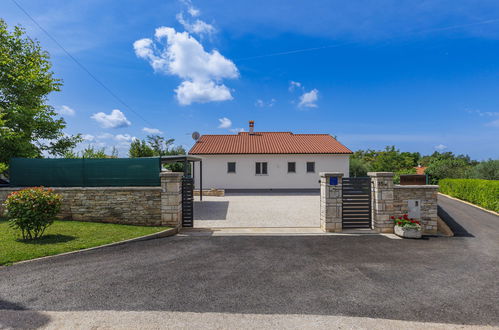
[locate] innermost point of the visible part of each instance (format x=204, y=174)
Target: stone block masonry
x=393, y=200
x=426, y=195
x=124, y=205
x=146, y=206
x=331, y=202
x=382, y=201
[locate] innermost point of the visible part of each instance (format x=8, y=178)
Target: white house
x=268, y=160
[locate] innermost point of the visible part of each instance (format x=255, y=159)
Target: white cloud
x=198, y=26
x=261, y=103
x=124, y=138
x=201, y=92
x=225, y=122
x=440, y=147
x=193, y=11
x=65, y=110
x=105, y=136
x=152, y=130
x=293, y=85
x=115, y=119
x=494, y=123
x=88, y=137
x=183, y=56
x=236, y=130
x=309, y=99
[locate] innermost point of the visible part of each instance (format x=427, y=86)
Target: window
x=261, y=168
x=231, y=167
x=291, y=167
x=310, y=167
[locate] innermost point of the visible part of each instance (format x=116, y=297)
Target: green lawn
x=64, y=236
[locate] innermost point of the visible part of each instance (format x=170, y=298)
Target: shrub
x=32, y=210
x=484, y=193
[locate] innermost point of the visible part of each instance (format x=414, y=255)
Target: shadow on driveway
x=9, y=319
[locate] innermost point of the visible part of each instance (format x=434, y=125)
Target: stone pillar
x=171, y=199
x=331, y=201
x=382, y=201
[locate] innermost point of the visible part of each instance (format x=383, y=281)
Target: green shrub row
x=484, y=193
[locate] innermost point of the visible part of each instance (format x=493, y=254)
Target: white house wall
x=215, y=171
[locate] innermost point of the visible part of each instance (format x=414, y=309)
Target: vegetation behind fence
x=484, y=193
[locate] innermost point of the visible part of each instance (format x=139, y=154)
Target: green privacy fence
x=84, y=172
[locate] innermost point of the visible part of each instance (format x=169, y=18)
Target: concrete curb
x=465, y=202
x=161, y=234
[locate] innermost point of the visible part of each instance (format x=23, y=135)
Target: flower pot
x=408, y=232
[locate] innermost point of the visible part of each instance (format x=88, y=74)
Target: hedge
x=484, y=193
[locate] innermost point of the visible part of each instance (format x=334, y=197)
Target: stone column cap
x=380, y=173
x=171, y=174
x=325, y=174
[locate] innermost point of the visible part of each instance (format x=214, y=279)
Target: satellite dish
x=195, y=136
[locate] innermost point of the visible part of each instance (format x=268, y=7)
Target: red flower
x=392, y=217
x=406, y=217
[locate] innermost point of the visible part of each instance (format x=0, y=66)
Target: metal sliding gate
x=356, y=203
x=187, y=202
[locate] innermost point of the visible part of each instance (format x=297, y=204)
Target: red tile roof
x=268, y=143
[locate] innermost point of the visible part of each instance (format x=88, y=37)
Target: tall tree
x=30, y=127
x=140, y=148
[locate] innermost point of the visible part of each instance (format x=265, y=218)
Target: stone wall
x=171, y=199
x=124, y=205
x=331, y=202
x=382, y=201
x=427, y=197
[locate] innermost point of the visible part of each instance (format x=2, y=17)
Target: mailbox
x=333, y=180
x=414, y=207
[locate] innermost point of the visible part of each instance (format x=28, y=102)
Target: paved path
x=258, y=210
x=245, y=279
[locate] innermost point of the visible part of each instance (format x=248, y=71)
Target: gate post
x=171, y=201
x=331, y=201
x=382, y=201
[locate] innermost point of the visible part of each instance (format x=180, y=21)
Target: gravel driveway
x=258, y=210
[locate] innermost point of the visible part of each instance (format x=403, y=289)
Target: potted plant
x=407, y=227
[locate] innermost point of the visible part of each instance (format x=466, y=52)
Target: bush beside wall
x=484, y=193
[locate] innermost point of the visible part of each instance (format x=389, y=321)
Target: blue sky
x=420, y=75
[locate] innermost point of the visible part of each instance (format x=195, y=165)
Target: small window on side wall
x=291, y=167
x=261, y=168
x=310, y=167
x=231, y=167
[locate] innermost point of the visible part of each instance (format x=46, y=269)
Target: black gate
x=187, y=202
x=356, y=203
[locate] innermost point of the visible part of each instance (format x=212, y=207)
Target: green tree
x=391, y=160
x=91, y=152
x=452, y=168
x=160, y=145
x=157, y=145
x=358, y=167
x=140, y=148
x=30, y=127
x=488, y=170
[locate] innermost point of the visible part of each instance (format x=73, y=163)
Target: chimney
x=252, y=127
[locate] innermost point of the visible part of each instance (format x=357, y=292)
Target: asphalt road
x=437, y=279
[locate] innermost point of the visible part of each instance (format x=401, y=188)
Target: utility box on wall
x=414, y=207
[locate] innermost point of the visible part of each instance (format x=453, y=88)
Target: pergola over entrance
x=187, y=160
